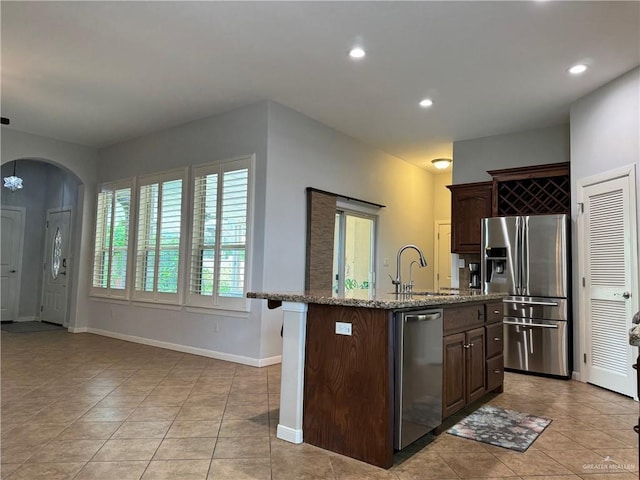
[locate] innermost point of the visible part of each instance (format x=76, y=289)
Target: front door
x=609, y=266
x=56, y=267
x=12, y=231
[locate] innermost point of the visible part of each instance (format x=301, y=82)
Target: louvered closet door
x=608, y=282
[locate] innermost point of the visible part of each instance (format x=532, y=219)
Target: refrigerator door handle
x=516, y=258
x=520, y=324
x=531, y=302
x=524, y=271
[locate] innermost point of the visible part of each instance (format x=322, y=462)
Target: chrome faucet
x=398, y=280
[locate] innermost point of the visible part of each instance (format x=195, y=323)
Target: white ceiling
x=97, y=73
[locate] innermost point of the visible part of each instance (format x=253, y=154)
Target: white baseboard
x=289, y=434
x=254, y=362
x=265, y=362
x=33, y=318
x=78, y=329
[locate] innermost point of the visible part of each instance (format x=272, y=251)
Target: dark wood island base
x=338, y=388
x=349, y=380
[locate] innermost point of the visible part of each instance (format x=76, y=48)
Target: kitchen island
x=338, y=365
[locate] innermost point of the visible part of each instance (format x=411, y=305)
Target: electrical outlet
x=461, y=263
x=386, y=262
x=216, y=327
x=343, y=328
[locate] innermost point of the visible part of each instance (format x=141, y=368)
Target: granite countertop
x=389, y=301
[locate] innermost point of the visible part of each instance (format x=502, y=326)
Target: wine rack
x=539, y=190
x=534, y=196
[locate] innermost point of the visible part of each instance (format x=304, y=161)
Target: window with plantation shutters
x=158, y=237
x=218, y=258
x=112, y=240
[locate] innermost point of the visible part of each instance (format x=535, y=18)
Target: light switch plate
x=343, y=328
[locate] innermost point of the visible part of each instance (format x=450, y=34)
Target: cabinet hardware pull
x=497, y=339
x=467, y=345
x=496, y=311
x=497, y=371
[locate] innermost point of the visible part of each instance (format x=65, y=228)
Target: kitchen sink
x=424, y=294
x=431, y=294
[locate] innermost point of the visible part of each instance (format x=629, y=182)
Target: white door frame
x=436, y=252
x=628, y=171
x=69, y=258
x=22, y=211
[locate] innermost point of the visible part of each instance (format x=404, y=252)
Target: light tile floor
x=85, y=407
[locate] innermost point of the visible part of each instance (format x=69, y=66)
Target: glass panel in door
x=353, y=270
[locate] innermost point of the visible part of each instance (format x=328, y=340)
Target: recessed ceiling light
x=357, y=52
x=427, y=102
x=578, y=69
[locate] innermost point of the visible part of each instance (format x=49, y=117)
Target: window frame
x=217, y=301
x=344, y=208
x=113, y=187
x=154, y=296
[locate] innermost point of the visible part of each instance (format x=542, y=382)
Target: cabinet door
x=494, y=312
x=495, y=372
x=453, y=374
x=494, y=339
x=469, y=204
x=475, y=364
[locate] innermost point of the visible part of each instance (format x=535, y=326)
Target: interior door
x=12, y=232
x=610, y=273
x=56, y=267
x=443, y=256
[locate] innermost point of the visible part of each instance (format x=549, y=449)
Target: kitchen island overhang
x=347, y=402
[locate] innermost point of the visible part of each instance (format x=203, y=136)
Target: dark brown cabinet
x=536, y=190
x=470, y=202
x=464, y=357
x=494, y=344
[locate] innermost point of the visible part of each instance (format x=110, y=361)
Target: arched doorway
x=37, y=273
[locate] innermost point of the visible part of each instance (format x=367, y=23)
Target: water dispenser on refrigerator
x=495, y=266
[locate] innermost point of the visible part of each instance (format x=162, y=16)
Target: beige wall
x=442, y=196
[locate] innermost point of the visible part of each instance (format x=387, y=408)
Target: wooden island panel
x=348, y=385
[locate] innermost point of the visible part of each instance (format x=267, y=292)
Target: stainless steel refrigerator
x=527, y=257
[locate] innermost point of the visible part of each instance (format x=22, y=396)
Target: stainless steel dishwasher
x=418, y=374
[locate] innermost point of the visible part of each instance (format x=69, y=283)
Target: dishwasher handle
x=422, y=317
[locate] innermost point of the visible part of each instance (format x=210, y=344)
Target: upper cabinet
x=470, y=202
x=537, y=190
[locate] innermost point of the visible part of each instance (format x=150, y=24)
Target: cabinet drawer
x=494, y=312
x=495, y=339
x=463, y=318
x=495, y=372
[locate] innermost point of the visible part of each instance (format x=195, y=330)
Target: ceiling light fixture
x=13, y=183
x=441, y=163
x=578, y=69
x=427, y=102
x=357, y=52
